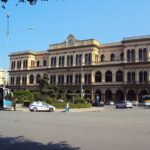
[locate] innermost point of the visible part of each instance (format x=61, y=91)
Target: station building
x=2, y=76
x=108, y=72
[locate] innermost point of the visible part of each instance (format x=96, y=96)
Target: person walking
x=67, y=107
x=14, y=104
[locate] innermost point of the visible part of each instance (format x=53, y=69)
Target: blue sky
x=104, y=20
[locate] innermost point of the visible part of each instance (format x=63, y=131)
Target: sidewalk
x=20, y=107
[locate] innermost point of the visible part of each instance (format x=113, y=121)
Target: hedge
x=71, y=105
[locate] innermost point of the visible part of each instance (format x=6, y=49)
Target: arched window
x=77, y=60
x=80, y=59
x=79, y=78
x=98, y=76
x=121, y=56
x=52, y=61
x=18, y=81
x=44, y=63
x=102, y=58
x=128, y=55
x=145, y=76
x=63, y=60
x=140, y=54
x=71, y=61
x=140, y=76
x=133, y=76
x=45, y=76
x=31, y=79
x=67, y=79
x=119, y=76
x=129, y=77
x=112, y=57
x=38, y=63
x=76, y=79
x=86, y=59
x=145, y=54
x=71, y=79
x=86, y=78
x=133, y=54
x=37, y=78
x=89, y=78
x=108, y=76
x=62, y=79
x=89, y=60
x=59, y=79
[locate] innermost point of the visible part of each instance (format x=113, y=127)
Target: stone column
x=125, y=76
x=65, y=63
x=27, y=79
x=74, y=59
x=92, y=77
x=125, y=55
x=57, y=79
x=113, y=77
x=73, y=78
x=103, y=77
x=65, y=79
x=148, y=53
x=57, y=61
x=21, y=80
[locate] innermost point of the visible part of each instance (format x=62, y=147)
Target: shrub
x=23, y=95
x=51, y=100
x=71, y=105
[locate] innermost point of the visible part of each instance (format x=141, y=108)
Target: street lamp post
x=8, y=33
x=81, y=85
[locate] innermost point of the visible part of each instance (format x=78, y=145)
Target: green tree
x=45, y=90
x=31, y=2
x=23, y=95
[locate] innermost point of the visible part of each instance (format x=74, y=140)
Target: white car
x=147, y=103
x=41, y=106
x=124, y=104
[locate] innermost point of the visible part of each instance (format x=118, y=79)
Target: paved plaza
x=108, y=129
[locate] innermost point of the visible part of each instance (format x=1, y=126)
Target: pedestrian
x=67, y=107
x=14, y=104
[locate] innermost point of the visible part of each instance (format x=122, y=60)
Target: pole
x=7, y=43
x=81, y=86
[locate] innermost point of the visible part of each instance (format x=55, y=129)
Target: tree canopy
x=32, y=2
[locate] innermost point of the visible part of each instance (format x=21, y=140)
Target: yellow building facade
x=107, y=72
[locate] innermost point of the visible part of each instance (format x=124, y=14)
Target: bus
x=146, y=100
x=5, y=98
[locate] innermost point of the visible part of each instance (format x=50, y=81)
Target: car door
x=45, y=107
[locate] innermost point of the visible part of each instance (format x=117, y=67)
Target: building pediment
x=71, y=41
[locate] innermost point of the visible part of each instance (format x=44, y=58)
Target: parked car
x=135, y=103
x=60, y=100
x=111, y=103
x=124, y=104
x=147, y=103
x=41, y=106
x=101, y=103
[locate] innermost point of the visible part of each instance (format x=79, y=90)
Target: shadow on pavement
x=20, y=143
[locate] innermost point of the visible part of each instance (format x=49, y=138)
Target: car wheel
x=34, y=109
x=51, y=110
